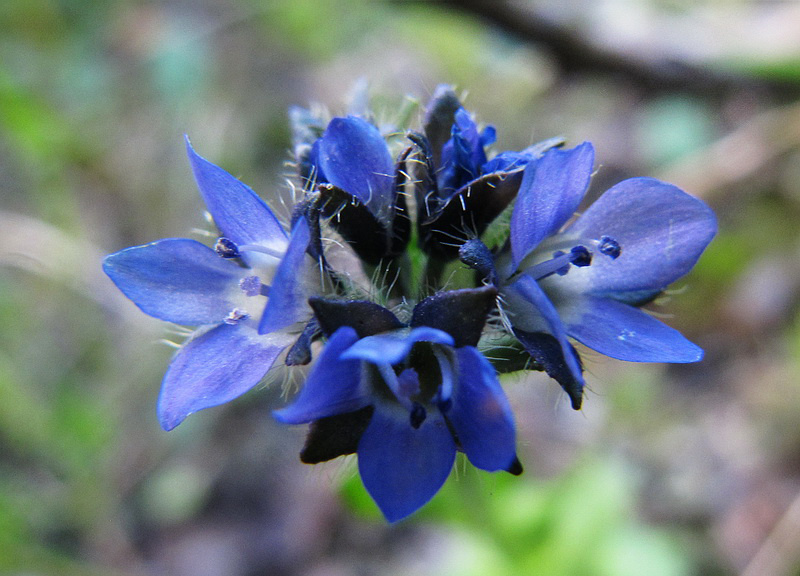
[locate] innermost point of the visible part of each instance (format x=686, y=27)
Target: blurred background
x=668, y=470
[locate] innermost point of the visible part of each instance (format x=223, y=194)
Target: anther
x=418, y=415
x=609, y=247
x=235, y=316
x=580, y=256
x=226, y=248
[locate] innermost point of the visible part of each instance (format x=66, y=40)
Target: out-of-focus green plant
x=580, y=523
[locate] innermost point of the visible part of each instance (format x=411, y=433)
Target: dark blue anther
x=226, y=248
x=418, y=415
x=580, y=256
x=609, y=247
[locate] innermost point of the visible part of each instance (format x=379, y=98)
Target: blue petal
x=481, y=415
x=291, y=287
x=473, y=142
x=488, y=137
x=550, y=192
x=332, y=387
x=238, y=212
x=215, y=367
x=177, y=280
x=626, y=333
x=402, y=468
x=662, y=232
x=391, y=348
x=462, y=155
x=532, y=311
x=353, y=156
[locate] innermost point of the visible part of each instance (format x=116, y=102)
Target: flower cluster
x=478, y=267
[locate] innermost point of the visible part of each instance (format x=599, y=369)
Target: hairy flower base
x=403, y=384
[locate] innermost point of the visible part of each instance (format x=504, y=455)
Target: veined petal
x=626, y=333
x=481, y=415
x=332, y=387
x=238, y=212
x=178, y=280
x=402, y=467
x=551, y=190
x=391, y=348
x=215, y=367
x=661, y=230
x=532, y=311
x=353, y=156
x=291, y=286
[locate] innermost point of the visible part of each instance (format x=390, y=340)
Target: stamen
x=580, y=256
x=605, y=245
x=227, y=248
x=236, y=315
x=560, y=263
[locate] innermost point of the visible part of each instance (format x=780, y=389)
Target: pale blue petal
x=481, y=415
x=661, y=230
x=177, y=280
x=215, y=367
x=332, y=387
x=551, y=190
x=626, y=333
x=289, y=292
x=402, y=468
x=391, y=348
x=353, y=156
x=238, y=212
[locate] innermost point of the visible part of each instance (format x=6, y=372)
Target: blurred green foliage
x=581, y=523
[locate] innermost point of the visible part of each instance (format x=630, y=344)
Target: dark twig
x=574, y=53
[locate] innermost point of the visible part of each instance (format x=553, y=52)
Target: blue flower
x=223, y=292
x=353, y=181
x=405, y=399
x=460, y=192
x=587, y=280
